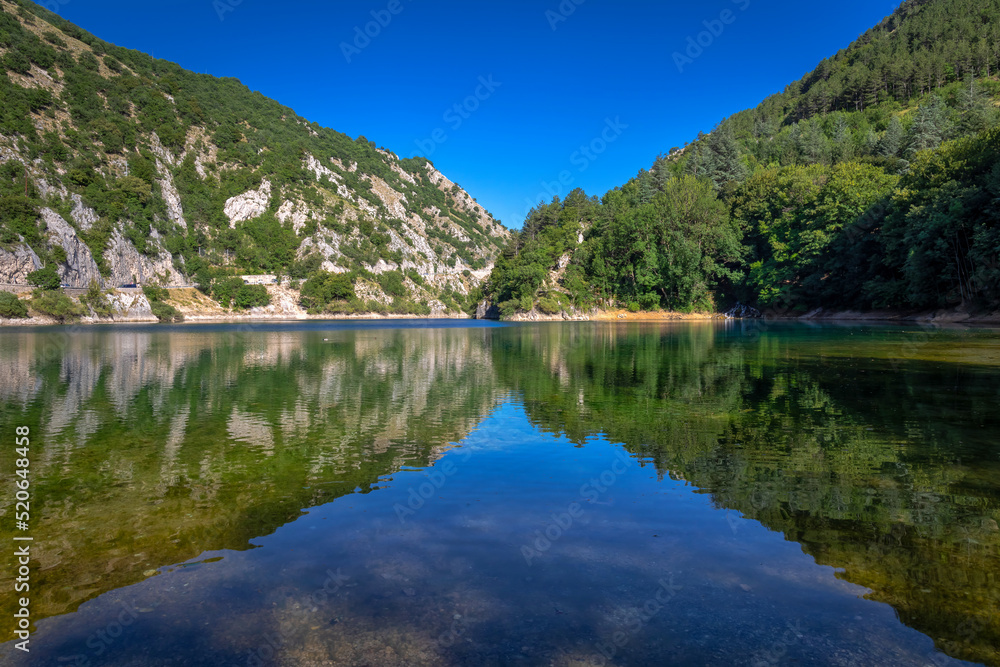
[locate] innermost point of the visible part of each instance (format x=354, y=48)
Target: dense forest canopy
x=869, y=183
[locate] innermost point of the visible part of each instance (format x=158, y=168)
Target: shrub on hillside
x=251, y=296
x=162, y=310
x=407, y=307
x=234, y=293
x=392, y=284
x=324, y=288
x=97, y=301
x=11, y=306
x=45, y=278
x=549, y=306
x=56, y=304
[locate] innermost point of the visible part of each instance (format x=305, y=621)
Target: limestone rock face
x=129, y=266
x=172, y=198
x=318, y=168
x=80, y=268
x=131, y=307
x=297, y=212
x=393, y=201
x=83, y=215
x=248, y=205
x=47, y=189
x=463, y=199
x=430, y=226
x=487, y=311
x=16, y=264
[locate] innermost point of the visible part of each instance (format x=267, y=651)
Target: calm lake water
x=431, y=493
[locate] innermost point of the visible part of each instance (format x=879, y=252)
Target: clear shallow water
x=579, y=494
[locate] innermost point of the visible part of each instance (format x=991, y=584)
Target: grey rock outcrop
x=131, y=307
x=80, y=268
x=16, y=264
x=296, y=212
x=172, y=198
x=128, y=265
x=248, y=205
x=83, y=215
x=487, y=311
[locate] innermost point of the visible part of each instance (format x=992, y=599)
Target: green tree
x=670, y=252
x=976, y=112
x=392, y=283
x=892, y=141
x=97, y=300
x=324, y=287
x=843, y=140
x=46, y=278
x=56, y=304
x=942, y=235
x=930, y=127
x=793, y=215
x=18, y=218
x=813, y=145
x=11, y=306
x=723, y=162
x=251, y=296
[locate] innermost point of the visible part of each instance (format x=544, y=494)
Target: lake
x=465, y=493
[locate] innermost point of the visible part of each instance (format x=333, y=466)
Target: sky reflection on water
x=536, y=495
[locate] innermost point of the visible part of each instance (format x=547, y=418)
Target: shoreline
x=939, y=316
x=217, y=319
x=197, y=316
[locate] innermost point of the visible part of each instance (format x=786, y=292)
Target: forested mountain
x=118, y=168
x=869, y=183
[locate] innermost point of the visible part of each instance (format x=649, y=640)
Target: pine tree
x=724, y=163
x=930, y=127
x=812, y=142
x=975, y=111
x=843, y=145
x=892, y=140
x=872, y=142
x=763, y=127
x=661, y=170
x=697, y=161
x=647, y=188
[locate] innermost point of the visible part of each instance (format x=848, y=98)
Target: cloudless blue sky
x=557, y=87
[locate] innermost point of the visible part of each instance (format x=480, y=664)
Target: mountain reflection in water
x=400, y=494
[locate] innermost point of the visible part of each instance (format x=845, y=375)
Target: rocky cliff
x=116, y=168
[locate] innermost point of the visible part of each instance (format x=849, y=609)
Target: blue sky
x=551, y=95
